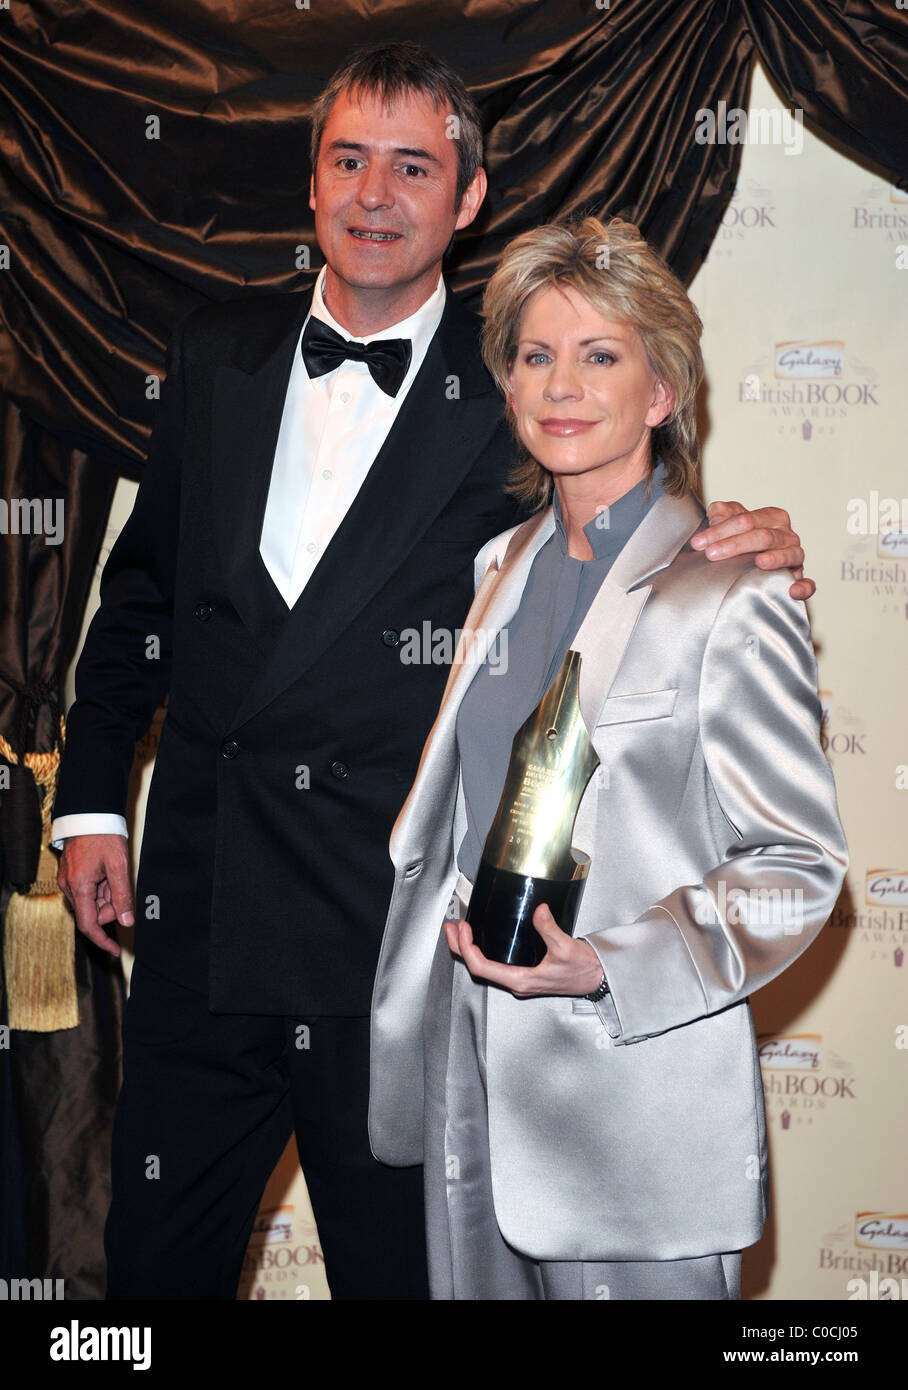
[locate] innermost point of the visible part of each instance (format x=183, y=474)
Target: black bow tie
x=386, y=358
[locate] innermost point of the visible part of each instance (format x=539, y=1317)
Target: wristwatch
x=600, y=991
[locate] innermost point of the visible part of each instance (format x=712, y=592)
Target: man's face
x=384, y=196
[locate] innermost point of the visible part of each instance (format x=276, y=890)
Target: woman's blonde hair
x=624, y=279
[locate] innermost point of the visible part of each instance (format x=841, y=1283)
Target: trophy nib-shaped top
x=552, y=760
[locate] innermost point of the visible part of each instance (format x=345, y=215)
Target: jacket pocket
x=648, y=704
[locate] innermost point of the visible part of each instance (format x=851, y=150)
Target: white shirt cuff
x=86, y=823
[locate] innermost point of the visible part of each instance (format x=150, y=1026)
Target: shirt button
x=390, y=637
x=230, y=748
x=340, y=771
x=203, y=612
x=345, y=396
x=326, y=473
x=311, y=547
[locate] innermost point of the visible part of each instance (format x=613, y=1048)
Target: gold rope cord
x=39, y=929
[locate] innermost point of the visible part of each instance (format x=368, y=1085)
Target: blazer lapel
x=601, y=639
x=495, y=603
x=606, y=630
x=497, y=600
x=430, y=448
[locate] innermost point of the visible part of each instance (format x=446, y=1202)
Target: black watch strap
x=599, y=992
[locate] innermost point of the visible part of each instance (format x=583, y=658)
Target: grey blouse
x=532, y=646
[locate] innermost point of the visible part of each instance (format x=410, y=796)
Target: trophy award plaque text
x=527, y=858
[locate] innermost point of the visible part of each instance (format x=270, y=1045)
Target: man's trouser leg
x=207, y=1106
x=370, y=1217
x=202, y=1118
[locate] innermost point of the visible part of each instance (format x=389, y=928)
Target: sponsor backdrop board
x=803, y=297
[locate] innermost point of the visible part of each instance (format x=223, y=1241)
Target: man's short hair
x=390, y=70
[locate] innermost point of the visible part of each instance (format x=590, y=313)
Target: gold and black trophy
x=528, y=858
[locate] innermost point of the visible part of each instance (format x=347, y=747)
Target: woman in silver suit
x=593, y=1126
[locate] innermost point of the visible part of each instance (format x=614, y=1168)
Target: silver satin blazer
x=635, y=1128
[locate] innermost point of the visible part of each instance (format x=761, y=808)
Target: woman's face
x=584, y=395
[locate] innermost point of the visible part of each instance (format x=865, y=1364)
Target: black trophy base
x=501, y=913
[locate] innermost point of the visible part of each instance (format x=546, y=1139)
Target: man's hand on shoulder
x=94, y=879
x=766, y=533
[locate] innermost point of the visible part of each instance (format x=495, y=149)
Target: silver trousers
x=468, y=1257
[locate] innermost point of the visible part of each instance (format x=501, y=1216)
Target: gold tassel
x=39, y=954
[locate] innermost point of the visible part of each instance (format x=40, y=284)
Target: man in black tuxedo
x=305, y=501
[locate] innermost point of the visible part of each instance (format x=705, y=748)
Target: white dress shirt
x=332, y=429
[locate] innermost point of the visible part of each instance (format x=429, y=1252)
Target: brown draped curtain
x=155, y=156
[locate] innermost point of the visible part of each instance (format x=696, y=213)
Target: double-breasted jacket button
x=390, y=637
x=229, y=748
x=340, y=771
x=203, y=611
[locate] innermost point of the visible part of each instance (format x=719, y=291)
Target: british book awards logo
x=808, y=387
x=886, y=888
x=808, y=361
x=801, y=1078
x=886, y=891
x=893, y=544
x=870, y=1254
x=751, y=213
x=842, y=733
x=878, y=918
x=880, y=1230
x=880, y=213
x=282, y=1262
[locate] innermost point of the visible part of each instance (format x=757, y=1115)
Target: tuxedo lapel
x=448, y=416
x=247, y=407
